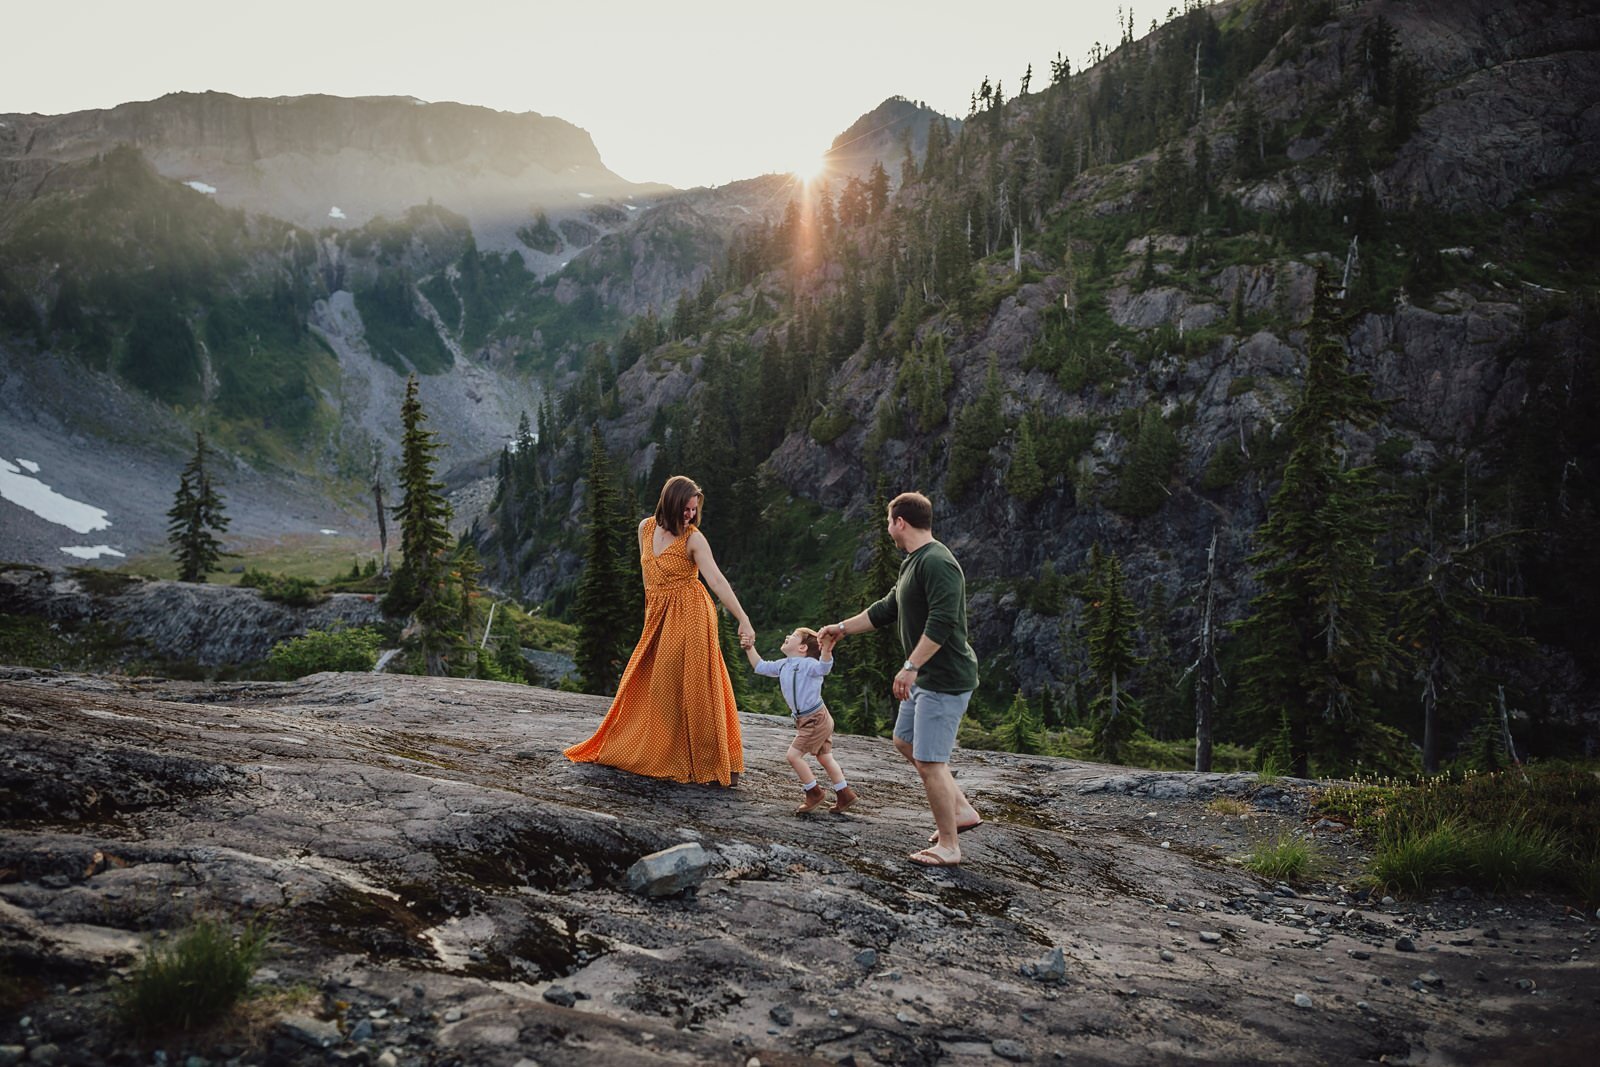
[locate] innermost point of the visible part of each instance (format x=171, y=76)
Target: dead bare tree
x=1210, y=676
x=377, y=500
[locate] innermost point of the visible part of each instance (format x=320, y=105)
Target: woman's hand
x=747, y=634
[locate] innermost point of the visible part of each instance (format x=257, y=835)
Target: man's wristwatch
x=909, y=666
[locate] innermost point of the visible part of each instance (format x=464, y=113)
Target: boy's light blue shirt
x=799, y=679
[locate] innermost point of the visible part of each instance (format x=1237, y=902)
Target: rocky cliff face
x=881, y=136
x=442, y=885
x=330, y=162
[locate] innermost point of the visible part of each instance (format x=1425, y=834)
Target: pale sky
x=697, y=92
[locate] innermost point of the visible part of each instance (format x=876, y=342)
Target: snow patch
x=587, y=196
x=335, y=213
x=95, y=552
x=330, y=531
x=202, y=187
x=48, y=504
x=28, y=465
x=630, y=207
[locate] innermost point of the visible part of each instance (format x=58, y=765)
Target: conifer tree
x=424, y=517
x=1019, y=729
x=1024, y=478
x=195, y=517
x=1112, y=661
x=1448, y=627
x=1318, y=628
x=601, y=611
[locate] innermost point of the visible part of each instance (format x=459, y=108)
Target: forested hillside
x=1306, y=285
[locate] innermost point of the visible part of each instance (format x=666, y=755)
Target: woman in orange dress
x=674, y=714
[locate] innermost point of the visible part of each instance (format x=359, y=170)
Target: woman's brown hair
x=675, y=496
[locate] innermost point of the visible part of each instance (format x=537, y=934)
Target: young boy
x=807, y=658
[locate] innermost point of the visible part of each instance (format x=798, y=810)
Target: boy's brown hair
x=810, y=641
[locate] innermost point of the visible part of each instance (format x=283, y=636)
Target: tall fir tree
x=424, y=518
x=196, y=517
x=1019, y=729
x=602, y=612
x=1112, y=660
x=1318, y=631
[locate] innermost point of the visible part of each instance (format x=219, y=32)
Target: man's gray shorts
x=929, y=720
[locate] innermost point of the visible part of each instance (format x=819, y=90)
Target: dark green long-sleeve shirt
x=930, y=597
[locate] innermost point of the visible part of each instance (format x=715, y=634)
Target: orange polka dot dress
x=674, y=714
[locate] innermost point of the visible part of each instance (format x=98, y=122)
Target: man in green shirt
x=928, y=606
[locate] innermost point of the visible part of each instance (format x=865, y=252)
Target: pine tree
x=1112, y=661
x=1448, y=626
x=601, y=610
x=195, y=515
x=1024, y=477
x=1318, y=627
x=424, y=519
x=1019, y=730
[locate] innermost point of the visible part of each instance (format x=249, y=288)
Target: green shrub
x=295, y=592
x=194, y=980
x=1284, y=858
x=830, y=425
x=1527, y=828
x=354, y=649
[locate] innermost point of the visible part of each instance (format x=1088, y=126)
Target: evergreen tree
x=1024, y=477
x=975, y=431
x=605, y=623
x=1318, y=627
x=1117, y=715
x=424, y=518
x=195, y=517
x=1449, y=630
x=1019, y=730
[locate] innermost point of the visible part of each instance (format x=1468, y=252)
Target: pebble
x=1007, y=1049
x=867, y=957
x=781, y=1014
x=1210, y=936
x=753, y=1061
x=560, y=996
x=12, y=1054
x=361, y=1031
x=388, y=1059
x=905, y=1019
x=1405, y=944
x=55, y=881
x=1525, y=984
x=1303, y=1001
x=453, y=1015
x=833, y=1013
x=1360, y=954
x=1430, y=978
x=1387, y=901
x=1362, y=1005
x=1167, y=956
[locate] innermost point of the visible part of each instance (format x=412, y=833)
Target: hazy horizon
x=701, y=95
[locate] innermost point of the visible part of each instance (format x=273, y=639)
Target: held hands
x=827, y=637
x=746, y=640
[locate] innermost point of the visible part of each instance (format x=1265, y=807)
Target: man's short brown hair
x=810, y=641
x=915, y=508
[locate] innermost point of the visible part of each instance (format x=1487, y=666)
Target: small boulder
x=670, y=871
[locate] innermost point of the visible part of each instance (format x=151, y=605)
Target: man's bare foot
x=935, y=857
x=961, y=828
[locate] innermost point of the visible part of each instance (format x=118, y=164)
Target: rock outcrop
x=444, y=887
x=209, y=625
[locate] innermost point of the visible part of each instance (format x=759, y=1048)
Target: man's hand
x=903, y=681
x=827, y=639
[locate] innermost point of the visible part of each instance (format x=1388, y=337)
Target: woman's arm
x=700, y=552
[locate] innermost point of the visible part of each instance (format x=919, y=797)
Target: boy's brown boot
x=814, y=797
x=843, y=799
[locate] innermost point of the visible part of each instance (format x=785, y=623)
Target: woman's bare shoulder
x=644, y=522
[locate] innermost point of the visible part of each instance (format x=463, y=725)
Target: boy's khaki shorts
x=813, y=735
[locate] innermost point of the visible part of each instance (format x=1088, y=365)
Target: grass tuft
x=1227, y=806
x=194, y=980
x=1285, y=858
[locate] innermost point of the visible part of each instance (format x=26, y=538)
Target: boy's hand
x=827, y=639
x=747, y=641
